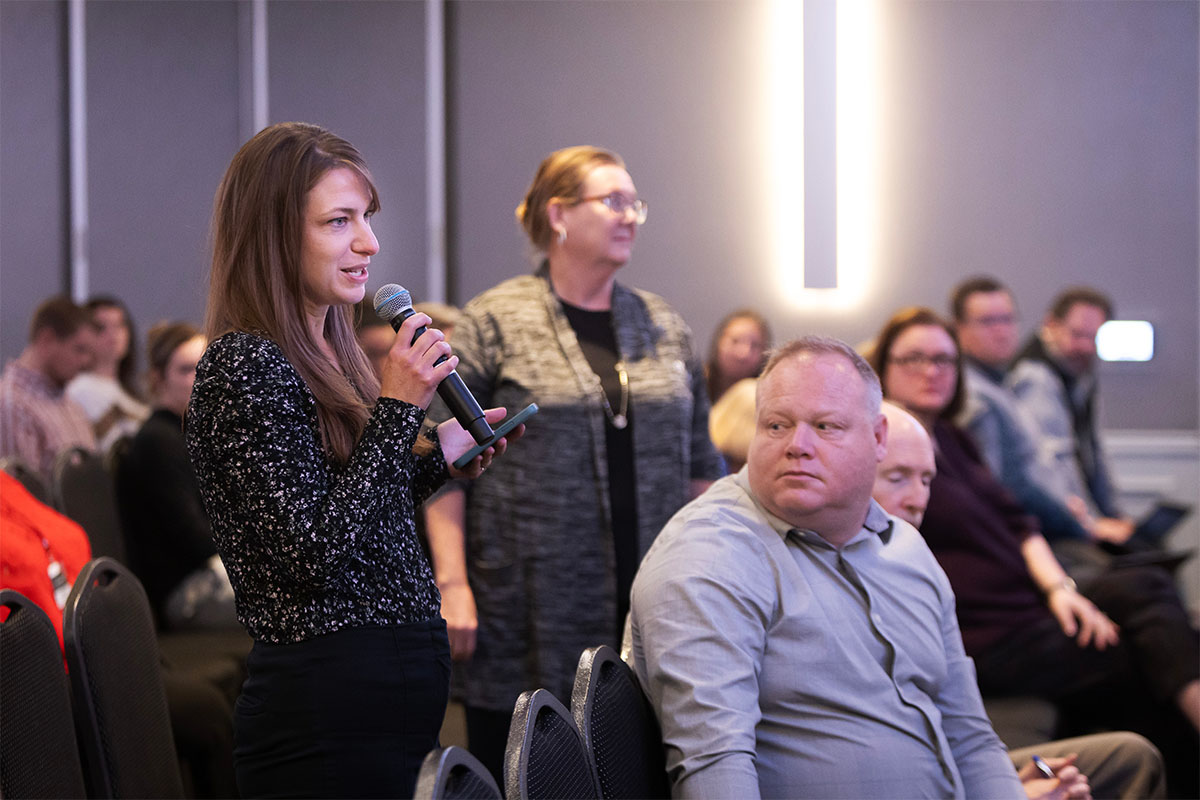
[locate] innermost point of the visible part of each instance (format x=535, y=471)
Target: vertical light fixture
x=435, y=150
x=77, y=158
x=858, y=147
x=785, y=149
x=823, y=148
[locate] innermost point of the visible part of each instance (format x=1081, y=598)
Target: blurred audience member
x=731, y=423
x=171, y=541
x=37, y=419
x=1055, y=381
x=1029, y=629
x=535, y=562
x=41, y=551
x=444, y=315
x=739, y=350
x=107, y=391
x=375, y=336
x=1122, y=764
x=985, y=318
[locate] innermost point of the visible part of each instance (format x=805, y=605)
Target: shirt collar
x=33, y=380
x=877, y=520
x=993, y=374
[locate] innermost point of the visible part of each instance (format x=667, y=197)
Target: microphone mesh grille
x=390, y=300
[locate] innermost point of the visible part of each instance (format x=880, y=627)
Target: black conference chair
x=82, y=488
x=618, y=726
x=545, y=756
x=21, y=469
x=451, y=773
x=120, y=704
x=39, y=756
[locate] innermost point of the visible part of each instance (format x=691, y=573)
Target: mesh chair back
x=29, y=477
x=82, y=488
x=117, y=451
x=120, y=705
x=618, y=726
x=38, y=752
x=451, y=773
x=545, y=757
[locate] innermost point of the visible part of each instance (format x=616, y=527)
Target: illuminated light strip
x=785, y=150
x=858, y=157
x=858, y=144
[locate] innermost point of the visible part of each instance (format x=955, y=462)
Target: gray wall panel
x=358, y=68
x=162, y=125
x=670, y=86
x=1049, y=143
x=1046, y=142
x=34, y=232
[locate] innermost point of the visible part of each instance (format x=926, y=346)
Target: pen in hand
x=1043, y=767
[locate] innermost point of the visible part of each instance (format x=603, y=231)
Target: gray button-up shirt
x=780, y=666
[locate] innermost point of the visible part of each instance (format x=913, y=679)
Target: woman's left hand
x=456, y=441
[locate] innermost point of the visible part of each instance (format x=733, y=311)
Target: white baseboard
x=1162, y=464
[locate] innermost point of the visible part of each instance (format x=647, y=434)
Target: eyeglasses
x=994, y=321
x=915, y=362
x=621, y=205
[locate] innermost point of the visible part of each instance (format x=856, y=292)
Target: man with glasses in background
x=1054, y=379
x=1018, y=452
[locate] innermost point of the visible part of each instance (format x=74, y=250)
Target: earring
x=562, y=236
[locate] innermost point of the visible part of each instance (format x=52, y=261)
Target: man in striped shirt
x=37, y=420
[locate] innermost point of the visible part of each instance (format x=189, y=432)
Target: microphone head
x=390, y=300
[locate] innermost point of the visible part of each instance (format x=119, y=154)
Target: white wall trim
x=261, y=69
x=435, y=150
x=77, y=136
x=253, y=69
x=1168, y=443
x=1148, y=465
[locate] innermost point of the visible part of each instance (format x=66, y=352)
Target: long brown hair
x=127, y=366
x=901, y=321
x=162, y=341
x=718, y=383
x=256, y=285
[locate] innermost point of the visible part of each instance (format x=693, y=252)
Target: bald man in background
x=1113, y=765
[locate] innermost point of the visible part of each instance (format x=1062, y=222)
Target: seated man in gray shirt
x=795, y=640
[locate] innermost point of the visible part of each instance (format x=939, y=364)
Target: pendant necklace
x=620, y=419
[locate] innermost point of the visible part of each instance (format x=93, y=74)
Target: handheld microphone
x=393, y=303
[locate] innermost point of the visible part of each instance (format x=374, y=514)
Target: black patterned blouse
x=309, y=548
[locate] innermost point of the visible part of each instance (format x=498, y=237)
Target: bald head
x=903, y=477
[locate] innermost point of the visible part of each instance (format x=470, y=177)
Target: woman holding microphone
x=311, y=469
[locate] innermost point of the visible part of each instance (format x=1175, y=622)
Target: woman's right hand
x=409, y=373
x=462, y=621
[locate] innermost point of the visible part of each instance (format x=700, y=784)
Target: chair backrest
x=618, y=726
x=29, y=477
x=39, y=756
x=545, y=756
x=116, y=452
x=120, y=704
x=82, y=488
x=451, y=773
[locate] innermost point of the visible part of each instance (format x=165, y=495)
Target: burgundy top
x=975, y=529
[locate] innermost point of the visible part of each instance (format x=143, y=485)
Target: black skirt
x=349, y=714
